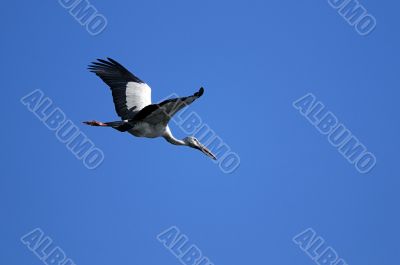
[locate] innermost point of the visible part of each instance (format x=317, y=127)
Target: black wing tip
x=110, y=65
x=100, y=62
x=200, y=92
x=113, y=61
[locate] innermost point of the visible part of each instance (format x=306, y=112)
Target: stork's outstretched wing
x=130, y=94
x=161, y=113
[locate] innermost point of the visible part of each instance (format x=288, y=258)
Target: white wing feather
x=138, y=94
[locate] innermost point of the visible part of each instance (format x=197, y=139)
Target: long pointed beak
x=207, y=152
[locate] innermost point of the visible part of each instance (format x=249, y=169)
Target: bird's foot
x=95, y=123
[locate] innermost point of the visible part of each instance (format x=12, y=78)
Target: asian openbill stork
x=132, y=100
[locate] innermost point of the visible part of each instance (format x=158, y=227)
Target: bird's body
x=132, y=100
x=145, y=129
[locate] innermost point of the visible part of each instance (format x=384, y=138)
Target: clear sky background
x=254, y=58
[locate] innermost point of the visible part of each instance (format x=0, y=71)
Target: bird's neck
x=171, y=139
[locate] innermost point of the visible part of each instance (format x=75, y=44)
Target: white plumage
x=138, y=95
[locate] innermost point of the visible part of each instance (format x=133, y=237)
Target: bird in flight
x=132, y=100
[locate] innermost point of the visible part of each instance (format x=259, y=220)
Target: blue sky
x=254, y=58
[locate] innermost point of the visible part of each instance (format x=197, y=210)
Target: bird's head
x=194, y=143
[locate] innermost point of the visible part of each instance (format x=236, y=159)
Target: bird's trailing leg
x=95, y=123
x=121, y=126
